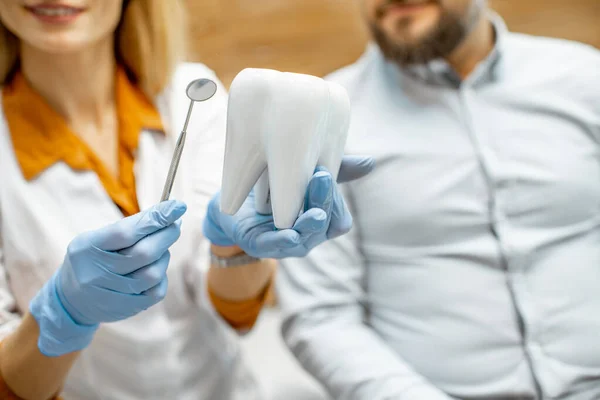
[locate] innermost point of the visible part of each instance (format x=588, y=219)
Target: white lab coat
x=179, y=349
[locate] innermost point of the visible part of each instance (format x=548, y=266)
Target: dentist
x=92, y=93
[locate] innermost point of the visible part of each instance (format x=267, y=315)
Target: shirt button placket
x=513, y=257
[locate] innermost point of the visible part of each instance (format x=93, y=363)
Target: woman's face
x=61, y=26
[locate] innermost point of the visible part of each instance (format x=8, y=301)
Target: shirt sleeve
x=9, y=320
x=324, y=324
x=10, y=317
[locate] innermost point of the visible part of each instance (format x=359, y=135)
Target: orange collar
x=41, y=137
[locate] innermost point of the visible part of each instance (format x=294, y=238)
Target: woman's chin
x=58, y=44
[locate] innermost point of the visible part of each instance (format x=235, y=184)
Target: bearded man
x=473, y=268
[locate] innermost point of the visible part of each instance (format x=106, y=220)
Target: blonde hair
x=150, y=42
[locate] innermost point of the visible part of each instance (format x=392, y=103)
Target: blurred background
x=318, y=36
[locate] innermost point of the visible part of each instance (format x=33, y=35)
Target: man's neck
x=478, y=44
x=79, y=86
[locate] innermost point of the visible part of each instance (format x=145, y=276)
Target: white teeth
x=280, y=126
x=54, y=12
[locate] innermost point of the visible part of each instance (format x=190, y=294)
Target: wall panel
x=319, y=36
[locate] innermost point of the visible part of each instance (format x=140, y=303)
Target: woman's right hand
x=107, y=275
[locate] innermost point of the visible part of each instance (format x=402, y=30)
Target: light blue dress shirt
x=473, y=268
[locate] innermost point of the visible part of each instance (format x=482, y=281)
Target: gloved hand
x=107, y=275
x=325, y=217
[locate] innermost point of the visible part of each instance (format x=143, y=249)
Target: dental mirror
x=198, y=90
x=201, y=89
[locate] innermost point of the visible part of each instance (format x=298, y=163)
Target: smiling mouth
x=401, y=5
x=54, y=10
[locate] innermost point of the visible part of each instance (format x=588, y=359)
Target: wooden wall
x=319, y=36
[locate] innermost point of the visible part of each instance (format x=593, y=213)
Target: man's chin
x=418, y=41
x=403, y=48
x=406, y=42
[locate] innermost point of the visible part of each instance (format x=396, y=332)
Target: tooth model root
x=262, y=195
x=279, y=127
x=335, y=129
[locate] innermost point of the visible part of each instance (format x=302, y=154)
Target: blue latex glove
x=107, y=275
x=325, y=217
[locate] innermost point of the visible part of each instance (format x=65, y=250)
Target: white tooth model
x=280, y=126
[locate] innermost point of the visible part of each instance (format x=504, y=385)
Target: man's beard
x=442, y=40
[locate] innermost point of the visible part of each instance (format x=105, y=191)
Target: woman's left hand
x=326, y=217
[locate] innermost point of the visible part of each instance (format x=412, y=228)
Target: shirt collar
x=41, y=137
x=439, y=73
